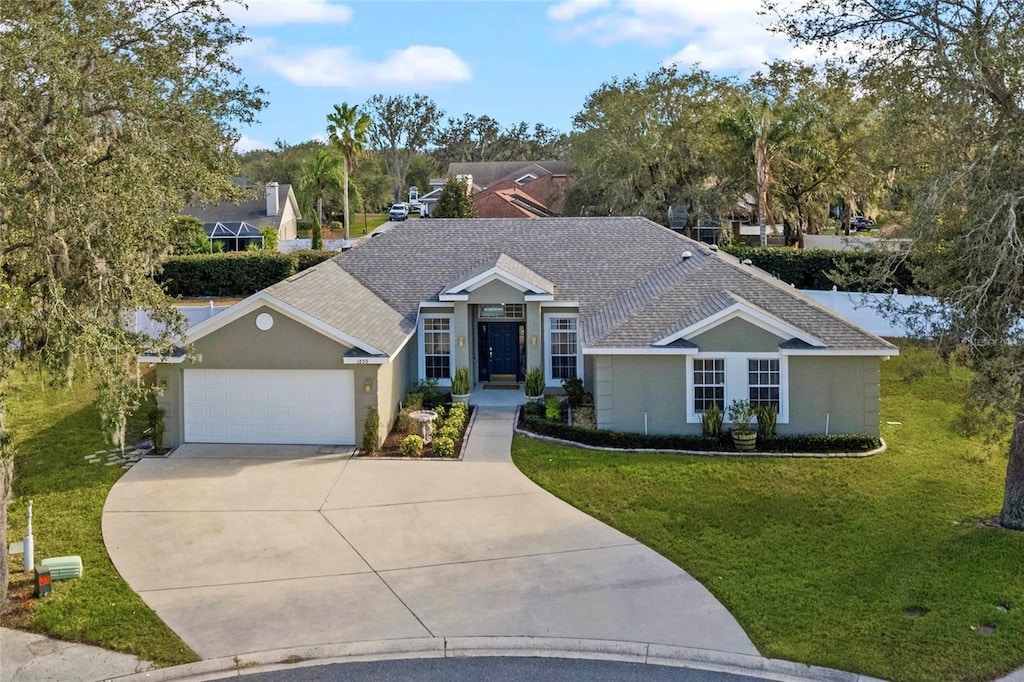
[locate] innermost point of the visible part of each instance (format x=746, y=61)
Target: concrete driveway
x=251, y=548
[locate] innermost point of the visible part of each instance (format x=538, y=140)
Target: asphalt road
x=494, y=670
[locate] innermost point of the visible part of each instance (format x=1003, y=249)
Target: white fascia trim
x=492, y=275
x=434, y=304
x=453, y=297
x=826, y=353
x=754, y=316
x=641, y=351
x=539, y=297
x=376, y=360
x=162, y=360
x=561, y=304
x=736, y=381
x=262, y=298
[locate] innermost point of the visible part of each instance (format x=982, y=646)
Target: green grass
x=819, y=559
x=361, y=225
x=53, y=430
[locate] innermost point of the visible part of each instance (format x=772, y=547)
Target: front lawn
x=886, y=566
x=53, y=431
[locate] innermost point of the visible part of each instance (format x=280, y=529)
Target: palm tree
x=768, y=134
x=321, y=176
x=347, y=130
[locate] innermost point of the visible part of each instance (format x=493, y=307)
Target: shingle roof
x=486, y=173
x=629, y=276
x=509, y=265
x=253, y=211
x=333, y=296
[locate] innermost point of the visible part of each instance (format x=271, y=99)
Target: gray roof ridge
x=793, y=292
x=626, y=305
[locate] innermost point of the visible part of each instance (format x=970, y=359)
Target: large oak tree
x=953, y=71
x=112, y=114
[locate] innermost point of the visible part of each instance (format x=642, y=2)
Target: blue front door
x=502, y=349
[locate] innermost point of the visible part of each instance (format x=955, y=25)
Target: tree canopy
x=454, y=200
x=113, y=113
x=950, y=73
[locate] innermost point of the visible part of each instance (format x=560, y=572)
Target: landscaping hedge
x=816, y=268
x=239, y=273
x=639, y=441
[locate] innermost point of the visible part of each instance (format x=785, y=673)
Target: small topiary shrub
x=156, y=428
x=412, y=446
x=371, y=431
x=269, y=238
x=449, y=431
x=574, y=391
x=553, y=409
x=432, y=396
x=404, y=423
x=443, y=447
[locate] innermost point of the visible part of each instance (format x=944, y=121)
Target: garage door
x=269, y=406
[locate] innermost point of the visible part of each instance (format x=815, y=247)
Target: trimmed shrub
x=156, y=429
x=307, y=258
x=440, y=412
x=269, y=238
x=443, y=447
x=574, y=391
x=822, y=268
x=449, y=431
x=404, y=423
x=414, y=401
x=638, y=441
x=412, y=446
x=428, y=389
x=553, y=409
x=371, y=431
x=317, y=236
x=224, y=274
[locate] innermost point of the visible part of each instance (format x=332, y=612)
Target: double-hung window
x=562, y=350
x=708, y=384
x=764, y=382
x=436, y=347
x=721, y=378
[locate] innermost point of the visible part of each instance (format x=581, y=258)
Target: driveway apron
x=251, y=548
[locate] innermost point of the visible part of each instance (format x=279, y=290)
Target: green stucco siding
x=496, y=292
x=843, y=390
x=737, y=336
x=394, y=378
x=628, y=387
x=286, y=345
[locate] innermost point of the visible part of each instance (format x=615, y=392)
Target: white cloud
x=278, y=12
x=570, y=9
x=720, y=34
x=419, y=65
x=247, y=144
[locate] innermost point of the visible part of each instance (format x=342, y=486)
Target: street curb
x=467, y=647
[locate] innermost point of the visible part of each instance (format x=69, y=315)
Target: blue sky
x=533, y=61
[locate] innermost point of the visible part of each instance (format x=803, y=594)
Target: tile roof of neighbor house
x=633, y=285
x=252, y=211
x=486, y=173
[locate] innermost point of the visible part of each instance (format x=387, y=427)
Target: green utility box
x=63, y=567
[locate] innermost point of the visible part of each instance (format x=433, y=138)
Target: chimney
x=272, y=207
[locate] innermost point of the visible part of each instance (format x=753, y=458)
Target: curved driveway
x=252, y=548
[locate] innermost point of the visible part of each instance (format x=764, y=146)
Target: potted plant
x=741, y=412
x=535, y=385
x=460, y=385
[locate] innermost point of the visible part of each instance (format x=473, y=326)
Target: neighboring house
x=509, y=189
x=659, y=327
x=276, y=206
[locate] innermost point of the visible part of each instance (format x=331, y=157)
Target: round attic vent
x=687, y=254
x=264, y=321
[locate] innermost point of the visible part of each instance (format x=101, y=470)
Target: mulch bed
x=393, y=443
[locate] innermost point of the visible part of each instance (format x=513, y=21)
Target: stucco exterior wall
x=240, y=345
x=393, y=382
x=289, y=222
x=496, y=292
x=846, y=389
x=628, y=387
x=737, y=336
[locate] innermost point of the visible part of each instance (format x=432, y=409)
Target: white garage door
x=269, y=406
